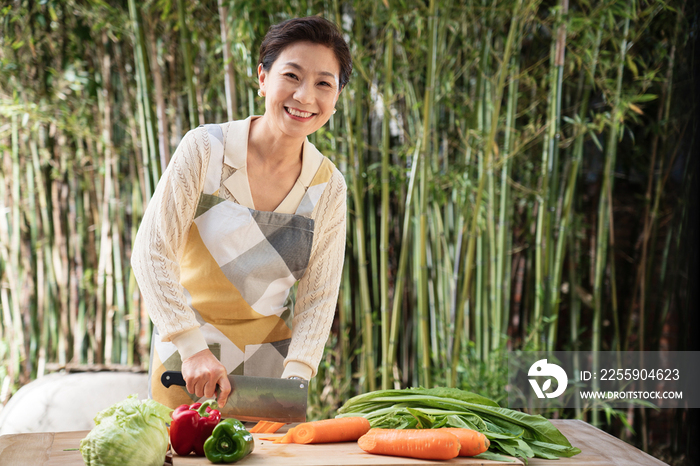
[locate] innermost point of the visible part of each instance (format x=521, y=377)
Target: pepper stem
x=202, y=410
x=224, y=445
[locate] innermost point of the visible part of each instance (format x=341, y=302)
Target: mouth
x=298, y=114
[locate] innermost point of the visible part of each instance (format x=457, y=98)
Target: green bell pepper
x=229, y=442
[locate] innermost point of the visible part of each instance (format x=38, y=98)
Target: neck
x=271, y=147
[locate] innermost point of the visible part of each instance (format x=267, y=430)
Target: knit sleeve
x=161, y=237
x=317, y=291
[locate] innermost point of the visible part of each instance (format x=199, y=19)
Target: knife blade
x=258, y=398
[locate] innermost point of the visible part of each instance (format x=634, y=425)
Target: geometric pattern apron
x=236, y=271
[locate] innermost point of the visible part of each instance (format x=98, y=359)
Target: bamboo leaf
x=644, y=98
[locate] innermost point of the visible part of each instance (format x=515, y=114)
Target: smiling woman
x=244, y=210
x=301, y=89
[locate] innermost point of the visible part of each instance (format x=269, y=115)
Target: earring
x=335, y=110
x=260, y=93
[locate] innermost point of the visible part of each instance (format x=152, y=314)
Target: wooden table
x=57, y=449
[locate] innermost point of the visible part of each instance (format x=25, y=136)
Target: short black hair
x=314, y=29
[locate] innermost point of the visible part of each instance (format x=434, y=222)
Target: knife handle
x=172, y=378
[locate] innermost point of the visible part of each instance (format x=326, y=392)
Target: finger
x=210, y=389
x=225, y=387
x=190, y=384
x=199, y=388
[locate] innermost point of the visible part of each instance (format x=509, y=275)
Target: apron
x=237, y=269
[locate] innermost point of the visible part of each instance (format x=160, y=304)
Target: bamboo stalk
x=613, y=281
x=161, y=113
x=566, y=216
x=142, y=102
x=575, y=303
x=358, y=205
x=603, y=220
x=542, y=245
x=46, y=284
x=10, y=255
x=650, y=214
x=142, y=68
x=77, y=234
x=61, y=238
x=554, y=136
x=385, y=213
x=488, y=266
x=32, y=307
x=142, y=181
x=187, y=64
x=403, y=259
x=501, y=284
x=481, y=317
x=423, y=200
x=464, y=296
x=198, y=72
x=229, y=70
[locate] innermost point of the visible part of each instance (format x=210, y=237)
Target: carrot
x=266, y=427
x=427, y=444
x=274, y=427
x=258, y=427
x=473, y=443
x=286, y=438
x=344, y=429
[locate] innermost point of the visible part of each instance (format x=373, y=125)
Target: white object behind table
x=62, y=402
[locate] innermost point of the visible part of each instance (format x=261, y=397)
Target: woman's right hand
x=202, y=373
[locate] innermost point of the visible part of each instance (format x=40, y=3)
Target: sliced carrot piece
x=273, y=427
x=427, y=444
x=259, y=427
x=472, y=442
x=286, y=438
x=266, y=427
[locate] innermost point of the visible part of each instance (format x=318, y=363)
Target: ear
x=262, y=74
x=337, y=96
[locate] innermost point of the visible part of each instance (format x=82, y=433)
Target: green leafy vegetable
x=511, y=432
x=129, y=432
x=494, y=457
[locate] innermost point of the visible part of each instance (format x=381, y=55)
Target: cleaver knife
x=258, y=398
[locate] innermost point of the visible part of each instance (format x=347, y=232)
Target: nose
x=304, y=92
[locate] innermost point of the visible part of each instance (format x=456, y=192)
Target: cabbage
x=131, y=432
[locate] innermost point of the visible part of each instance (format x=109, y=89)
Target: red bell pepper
x=191, y=427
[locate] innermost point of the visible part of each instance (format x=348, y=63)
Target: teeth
x=298, y=113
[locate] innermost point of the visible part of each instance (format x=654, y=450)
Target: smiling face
x=301, y=89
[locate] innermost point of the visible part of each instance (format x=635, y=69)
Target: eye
x=291, y=75
x=325, y=83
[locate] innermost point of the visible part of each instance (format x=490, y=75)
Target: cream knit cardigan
x=162, y=235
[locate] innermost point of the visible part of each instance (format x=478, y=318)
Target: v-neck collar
x=236, y=155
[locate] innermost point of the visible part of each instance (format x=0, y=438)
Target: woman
x=244, y=210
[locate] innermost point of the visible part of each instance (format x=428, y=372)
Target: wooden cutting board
x=54, y=449
x=60, y=449
x=341, y=454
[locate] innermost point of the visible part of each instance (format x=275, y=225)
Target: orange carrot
x=473, y=443
x=274, y=427
x=427, y=444
x=258, y=427
x=343, y=429
x=266, y=427
x=286, y=438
